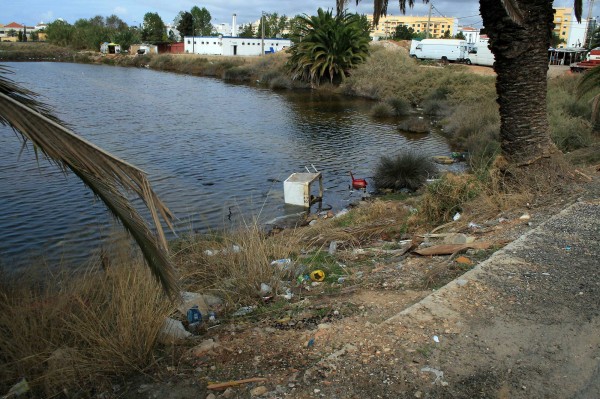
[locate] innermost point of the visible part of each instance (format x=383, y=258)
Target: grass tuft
x=407, y=170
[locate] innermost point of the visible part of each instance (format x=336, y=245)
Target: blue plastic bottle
x=194, y=315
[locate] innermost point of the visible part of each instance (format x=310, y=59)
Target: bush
x=446, y=196
x=408, y=170
x=382, y=110
x=400, y=105
x=569, y=133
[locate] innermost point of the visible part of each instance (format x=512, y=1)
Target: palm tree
x=329, y=47
x=519, y=32
x=589, y=83
x=108, y=177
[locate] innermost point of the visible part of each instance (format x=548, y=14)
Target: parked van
x=481, y=54
x=455, y=50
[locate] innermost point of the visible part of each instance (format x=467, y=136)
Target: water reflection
x=208, y=147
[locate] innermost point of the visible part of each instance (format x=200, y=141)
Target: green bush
x=382, y=110
x=407, y=170
x=400, y=105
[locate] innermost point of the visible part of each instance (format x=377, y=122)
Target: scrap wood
x=224, y=385
x=449, y=249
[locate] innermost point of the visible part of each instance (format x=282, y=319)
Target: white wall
x=211, y=45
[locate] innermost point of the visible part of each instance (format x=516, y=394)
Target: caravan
x=441, y=49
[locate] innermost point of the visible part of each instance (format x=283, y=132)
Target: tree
x=519, y=32
x=447, y=34
x=115, y=23
x=202, y=20
x=590, y=83
x=329, y=48
x=12, y=33
x=403, y=32
x=274, y=25
x=153, y=30
x=556, y=40
x=247, y=31
x=59, y=33
x=108, y=177
x=185, y=24
x=294, y=28
x=127, y=37
x=20, y=36
x=460, y=36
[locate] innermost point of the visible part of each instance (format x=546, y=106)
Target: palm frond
x=578, y=6
x=106, y=175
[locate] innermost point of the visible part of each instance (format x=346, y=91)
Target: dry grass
x=71, y=331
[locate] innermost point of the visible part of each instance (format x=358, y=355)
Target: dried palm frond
x=109, y=177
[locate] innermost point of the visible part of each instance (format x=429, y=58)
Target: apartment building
x=437, y=25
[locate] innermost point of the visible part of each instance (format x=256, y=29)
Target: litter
x=456, y=216
x=281, y=262
x=317, y=275
x=194, y=315
x=439, y=375
x=449, y=249
x=265, y=289
x=244, y=311
x=436, y=338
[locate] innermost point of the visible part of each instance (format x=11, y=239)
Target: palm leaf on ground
x=108, y=177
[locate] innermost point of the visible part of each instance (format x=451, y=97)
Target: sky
x=132, y=11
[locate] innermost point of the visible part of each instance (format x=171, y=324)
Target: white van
x=481, y=54
x=455, y=50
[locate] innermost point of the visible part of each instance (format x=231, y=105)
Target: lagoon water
x=216, y=153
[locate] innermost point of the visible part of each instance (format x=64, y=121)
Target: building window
x=188, y=42
x=564, y=33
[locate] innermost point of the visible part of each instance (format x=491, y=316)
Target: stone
x=463, y=260
x=229, y=393
x=211, y=396
x=205, y=346
x=259, y=391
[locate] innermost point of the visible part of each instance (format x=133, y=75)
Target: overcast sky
x=31, y=12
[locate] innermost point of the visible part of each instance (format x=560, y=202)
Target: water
x=216, y=153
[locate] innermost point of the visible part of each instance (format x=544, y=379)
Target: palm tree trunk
x=521, y=54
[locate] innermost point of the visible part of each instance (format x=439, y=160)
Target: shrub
x=415, y=125
x=238, y=74
x=446, y=196
x=382, y=110
x=569, y=133
x=407, y=170
x=400, y=105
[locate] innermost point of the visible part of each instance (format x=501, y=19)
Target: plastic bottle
x=194, y=315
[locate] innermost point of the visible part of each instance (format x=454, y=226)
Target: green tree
x=447, y=34
x=12, y=33
x=295, y=28
x=274, y=25
x=590, y=83
x=20, y=36
x=460, y=36
x=202, y=21
x=127, y=37
x=59, y=33
x=329, y=48
x=153, y=30
x=115, y=23
x=247, y=31
x=109, y=178
x=184, y=23
x=403, y=32
x=556, y=40
x=519, y=32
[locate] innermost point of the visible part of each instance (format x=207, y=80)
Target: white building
x=231, y=46
x=471, y=34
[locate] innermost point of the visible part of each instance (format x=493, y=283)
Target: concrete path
x=526, y=322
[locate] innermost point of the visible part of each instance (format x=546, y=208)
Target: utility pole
x=428, y=21
x=262, y=33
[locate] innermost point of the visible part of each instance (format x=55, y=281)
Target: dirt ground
x=522, y=322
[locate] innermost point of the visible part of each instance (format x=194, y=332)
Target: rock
x=229, y=393
x=205, y=346
x=172, y=332
x=211, y=396
x=461, y=282
x=259, y=391
x=458, y=238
